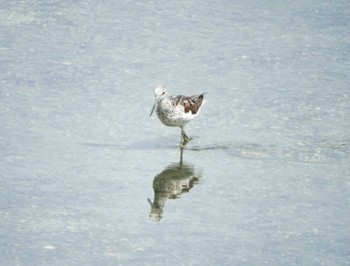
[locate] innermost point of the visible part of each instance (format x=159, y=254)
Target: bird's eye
x=163, y=93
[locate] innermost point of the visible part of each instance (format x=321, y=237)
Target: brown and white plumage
x=190, y=103
x=176, y=111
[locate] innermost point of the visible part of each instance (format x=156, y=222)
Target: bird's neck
x=164, y=102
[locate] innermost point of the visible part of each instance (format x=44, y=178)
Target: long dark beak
x=154, y=106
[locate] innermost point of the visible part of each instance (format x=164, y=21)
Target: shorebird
x=176, y=111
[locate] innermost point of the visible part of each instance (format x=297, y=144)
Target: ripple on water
x=318, y=152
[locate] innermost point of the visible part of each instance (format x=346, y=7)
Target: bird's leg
x=184, y=138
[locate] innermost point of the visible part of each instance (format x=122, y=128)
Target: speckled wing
x=190, y=103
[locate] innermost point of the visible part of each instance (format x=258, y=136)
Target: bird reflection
x=175, y=179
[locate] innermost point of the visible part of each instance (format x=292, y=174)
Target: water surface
x=87, y=178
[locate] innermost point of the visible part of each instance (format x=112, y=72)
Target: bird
x=176, y=111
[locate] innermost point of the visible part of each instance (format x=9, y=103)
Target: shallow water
x=89, y=179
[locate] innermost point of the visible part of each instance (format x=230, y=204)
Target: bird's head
x=159, y=92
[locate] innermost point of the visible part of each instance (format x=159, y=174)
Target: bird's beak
x=154, y=106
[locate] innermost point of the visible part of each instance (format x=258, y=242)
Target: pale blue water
x=87, y=178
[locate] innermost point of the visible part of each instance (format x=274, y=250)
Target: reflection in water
x=174, y=180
